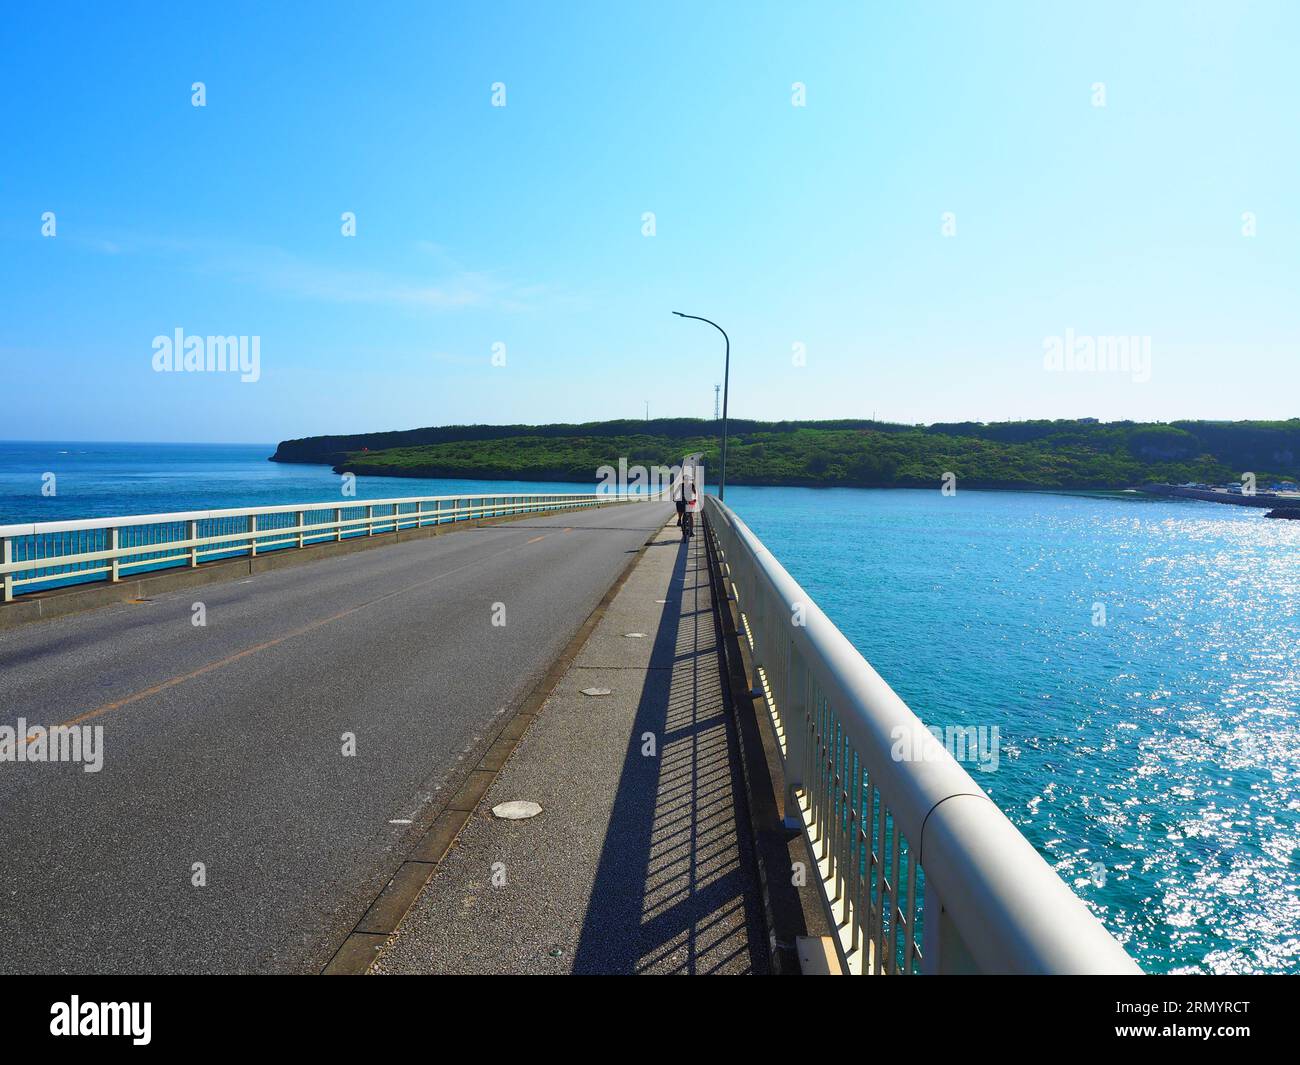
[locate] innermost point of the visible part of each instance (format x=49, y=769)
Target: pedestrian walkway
x=641, y=858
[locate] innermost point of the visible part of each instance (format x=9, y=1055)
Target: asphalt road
x=223, y=744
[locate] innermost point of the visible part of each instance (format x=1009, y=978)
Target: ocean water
x=1162, y=746
x=109, y=480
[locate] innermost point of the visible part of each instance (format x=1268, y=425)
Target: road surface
x=224, y=743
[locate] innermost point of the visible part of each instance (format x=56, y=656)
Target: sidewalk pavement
x=641, y=859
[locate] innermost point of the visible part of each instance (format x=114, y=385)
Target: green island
x=1078, y=454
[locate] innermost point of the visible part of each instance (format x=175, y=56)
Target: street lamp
x=726, y=377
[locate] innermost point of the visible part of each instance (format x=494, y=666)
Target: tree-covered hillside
x=1035, y=454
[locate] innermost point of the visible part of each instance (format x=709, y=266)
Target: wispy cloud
x=279, y=271
x=444, y=285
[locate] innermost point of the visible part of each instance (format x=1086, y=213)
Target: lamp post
x=726, y=378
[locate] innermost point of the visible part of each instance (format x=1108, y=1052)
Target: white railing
x=920, y=870
x=47, y=554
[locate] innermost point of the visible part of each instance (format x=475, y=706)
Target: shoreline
x=420, y=473
x=1215, y=495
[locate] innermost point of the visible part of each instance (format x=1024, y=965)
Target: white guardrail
x=920, y=870
x=47, y=554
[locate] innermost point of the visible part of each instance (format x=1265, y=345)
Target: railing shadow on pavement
x=675, y=889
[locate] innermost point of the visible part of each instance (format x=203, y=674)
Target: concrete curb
x=60, y=602
x=365, y=943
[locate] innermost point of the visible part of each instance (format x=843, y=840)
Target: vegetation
x=1035, y=454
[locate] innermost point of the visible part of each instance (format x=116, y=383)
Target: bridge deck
x=223, y=742
x=637, y=863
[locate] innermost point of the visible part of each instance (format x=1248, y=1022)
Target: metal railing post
x=192, y=534
x=302, y=522
x=252, y=536
x=794, y=724
x=370, y=520
x=6, y=557
x=114, y=574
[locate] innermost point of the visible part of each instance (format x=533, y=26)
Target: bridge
x=318, y=722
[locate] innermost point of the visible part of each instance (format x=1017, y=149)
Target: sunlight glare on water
x=1163, y=744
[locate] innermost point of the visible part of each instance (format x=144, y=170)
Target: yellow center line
x=172, y=682
x=536, y=538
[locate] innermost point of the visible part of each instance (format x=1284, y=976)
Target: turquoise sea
x=1162, y=746
x=107, y=480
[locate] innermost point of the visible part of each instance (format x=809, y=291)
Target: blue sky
x=522, y=225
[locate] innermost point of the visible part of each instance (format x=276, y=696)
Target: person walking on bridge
x=686, y=499
x=679, y=496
